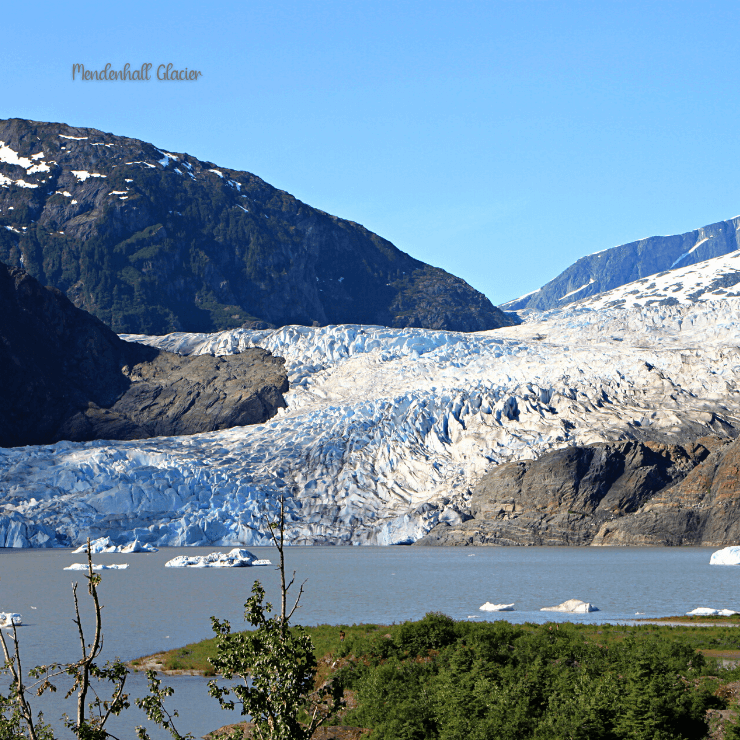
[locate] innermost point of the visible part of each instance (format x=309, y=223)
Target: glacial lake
x=148, y=607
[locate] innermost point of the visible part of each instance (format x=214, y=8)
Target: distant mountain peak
x=611, y=268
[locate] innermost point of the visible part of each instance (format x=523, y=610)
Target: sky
x=498, y=140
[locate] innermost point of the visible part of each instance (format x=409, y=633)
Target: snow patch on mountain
x=710, y=280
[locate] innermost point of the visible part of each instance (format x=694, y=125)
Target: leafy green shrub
x=434, y=632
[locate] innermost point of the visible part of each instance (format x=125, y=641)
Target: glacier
x=386, y=430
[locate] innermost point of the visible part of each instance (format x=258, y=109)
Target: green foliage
x=487, y=681
x=277, y=666
x=13, y=724
x=434, y=632
x=153, y=706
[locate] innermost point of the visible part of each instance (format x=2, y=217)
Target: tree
x=276, y=663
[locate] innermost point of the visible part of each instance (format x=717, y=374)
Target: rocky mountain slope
x=703, y=509
x=576, y=495
x=611, y=268
x=65, y=375
x=153, y=241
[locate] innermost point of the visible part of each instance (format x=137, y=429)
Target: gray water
x=148, y=608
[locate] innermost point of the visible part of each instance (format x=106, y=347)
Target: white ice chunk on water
x=706, y=611
x=702, y=611
x=97, y=566
x=489, y=607
x=7, y=619
x=236, y=558
x=726, y=556
x=137, y=546
x=572, y=606
x=104, y=544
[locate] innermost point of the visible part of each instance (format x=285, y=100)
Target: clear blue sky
x=498, y=140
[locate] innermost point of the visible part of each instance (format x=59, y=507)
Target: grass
x=715, y=641
x=194, y=657
x=688, y=619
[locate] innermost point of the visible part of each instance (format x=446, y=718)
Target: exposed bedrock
x=587, y=494
x=703, y=509
x=65, y=375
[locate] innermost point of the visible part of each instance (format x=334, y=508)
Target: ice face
x=386, y=430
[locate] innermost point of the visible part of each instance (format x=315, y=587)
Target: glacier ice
x=83, y=566
x=489, y=607
x=8, y=619
x=572, y=606
x=386, y=430
x=104, y=544
x=236, y=558
x=726, y=556
x=706, y=611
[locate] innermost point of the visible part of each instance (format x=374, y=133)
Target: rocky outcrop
x=576, y=495
x=703, y=509
x=610, y=268
x=65, y=375
x=153, y=242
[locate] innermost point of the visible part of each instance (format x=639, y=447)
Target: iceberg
x=7, y=619
x=705, y=611
x=137, y=546
x=489, y=607
x=726, y=556
x=236, y=558
x=104, y=544
x=572, y=606
x=83, y=566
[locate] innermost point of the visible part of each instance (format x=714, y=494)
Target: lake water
x=148, y=607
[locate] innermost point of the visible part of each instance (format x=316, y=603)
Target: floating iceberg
x=573, y=606
x=103, y=544
x=726, y=556
x=705, y=611
x=83, y=566
x=489, y=607
x=8, y=619
x=137, y=546
x=236, y=558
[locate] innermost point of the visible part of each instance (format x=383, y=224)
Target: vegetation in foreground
x=437, y=678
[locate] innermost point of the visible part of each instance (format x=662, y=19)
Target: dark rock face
x=152, y=242
x=565, y=496
x=703, y=509
x=65, y=375
x=611, y=268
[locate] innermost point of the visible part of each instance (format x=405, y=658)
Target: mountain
x=67, y=376
x=151, y=241
x=611, y=268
